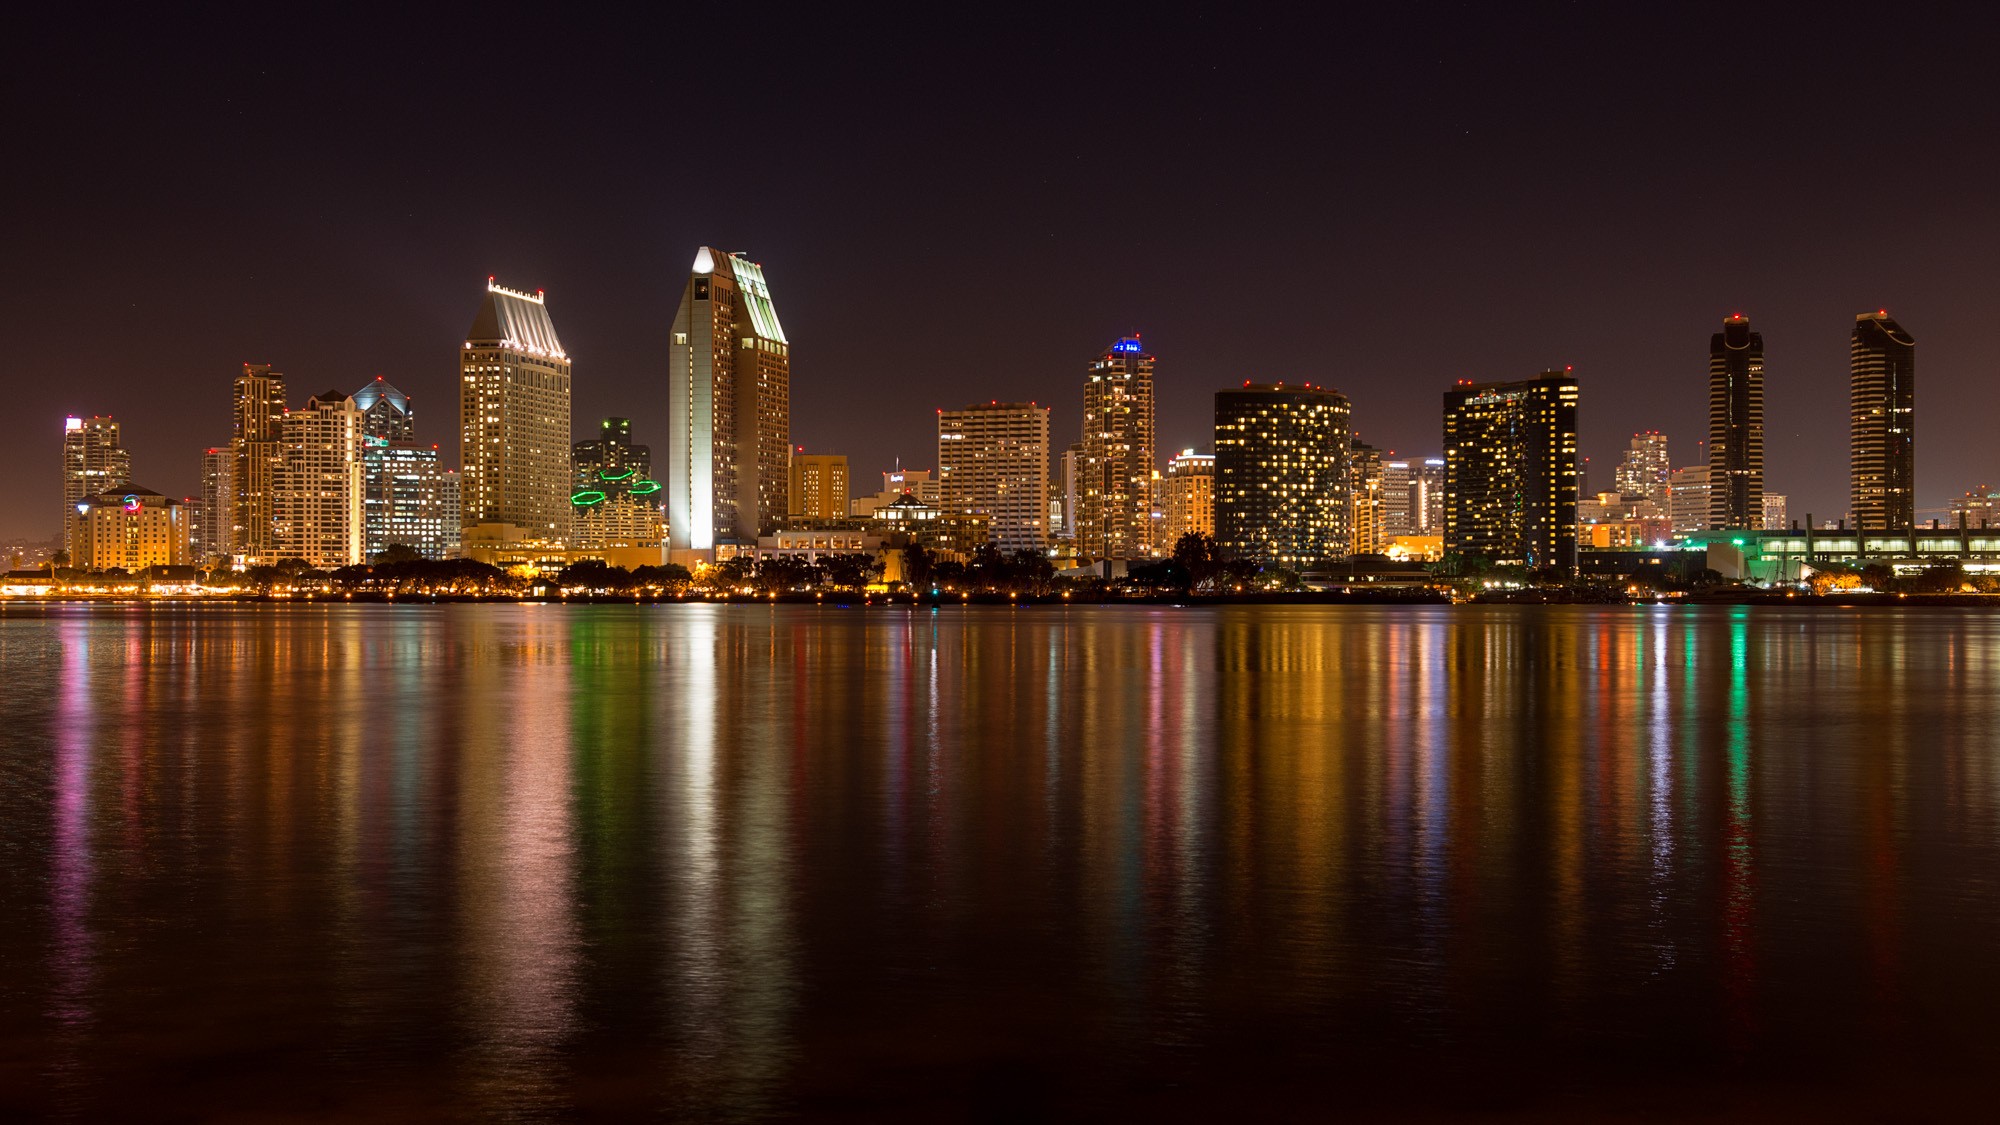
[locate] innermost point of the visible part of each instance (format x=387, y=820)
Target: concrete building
x=1735, y=425
x=1688, y=499
x=514, y=416
x=94, y=462
x=1511, y=470
x=1367, y=514
x=218, y=505
x=129, y=528
x=403, y=482
x=1115, y=468
x=819, y=486
x=1190, y=496
x=1281, y=480
x=1883, y=431
x=257, y=441
x=320, y=494
x=993, y=462
x=1645, y=469
x=729, y=399
x=616, y=501
x=1774, y=512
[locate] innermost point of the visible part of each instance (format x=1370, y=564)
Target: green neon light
x=587, y=497
x=616, y=476
x=644, y=487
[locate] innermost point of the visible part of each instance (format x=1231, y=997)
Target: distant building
x=1883, y=434
x=1114, y=501
x=1190, y=496
x=402, y=482
x=129, y=528
x=897, y=483
x=819, y=486
x=320, y=495
x=616, y=502
x=993, y=461
x=1413, y=497
x=514, y=416
x=258, y=444
x=1366, y=507
x=1510, y=470
x=1281, y=483
x=1978, y=508
x=1644, y=470
x=1774, y=512
x=94, y=462
x=1735, y=425
x=1688, y=503
x=729, y=398
x=218, y=504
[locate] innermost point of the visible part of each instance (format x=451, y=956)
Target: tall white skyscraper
x=514, y=417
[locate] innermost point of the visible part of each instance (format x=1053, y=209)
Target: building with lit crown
x=403, y=482
x=94, y=462
x=1510, y=471
x=729, y=400
x=514, y=417
x=1882, y=449
x=1114, y=516
x=129, y=528
x=1736, y=425
x=1281, y=478
x=1190, y=489
x=993, y=463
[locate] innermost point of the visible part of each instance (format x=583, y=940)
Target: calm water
x=541, y=862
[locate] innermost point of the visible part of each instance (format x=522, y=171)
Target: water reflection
x=536, y=862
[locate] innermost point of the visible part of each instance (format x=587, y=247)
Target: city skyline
x=247, y=242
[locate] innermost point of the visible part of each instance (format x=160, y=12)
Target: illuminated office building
x=218, y=504
x=1883, y=434
x=514, y=417
x=320, y=498
x=819, y=486
x=94, y=462
x=993, y=463
x=1736, y=425
x=1689, y=498
x=1367, y=517
x=1190, y=489
x=1115, y=472
x=1645, y=468
x=1281, y=482
x=1510, y=471
x=403, y=482
x=616, y=501
x=1775, y=515
x=257, y=441
x=1412, y=496
x=129, y=528
x=729, y=398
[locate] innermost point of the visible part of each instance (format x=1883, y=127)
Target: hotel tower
x=514, y=396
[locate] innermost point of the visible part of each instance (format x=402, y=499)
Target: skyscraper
x=1736, y=425
x=1645, y=468
x=616, y=500
x=218, y=503
x=1690, y=498
x=258, y=445
x=1510, y=470
x=1281, y=483
x=1114, y=515
x=993, y=462
x=514, y=416
x=403, y=484
x=319, y=499
x=1882, y=453
x=94, y=462
x=1367, y=518
x=1190, y=486
x=819, y=486
x=729, y=397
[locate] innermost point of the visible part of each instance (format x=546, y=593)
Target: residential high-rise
x=1367, y=514
x=129, y=528
x=1882, y=454
x=1645, y=468
x=819, y=486
x=1689, y=498
x=257, y=442
x=729, y=398
x=94, y=462
x=1510, y=470
x=616, y=501
x=1736, y=425
x=1072, y=489
x=1190, y=488
x=514, y=417
x=1281, y=482
x=1412, y=496
x=1774, y=512
x=993, y=462
x=1114, y=501
x=218, y=503
x=319, y=499
x=402, y=481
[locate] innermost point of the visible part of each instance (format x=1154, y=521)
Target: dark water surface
x=545, y=862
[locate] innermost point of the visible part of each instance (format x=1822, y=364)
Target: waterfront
x=546, y=862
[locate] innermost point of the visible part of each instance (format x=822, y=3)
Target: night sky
x=952, y=208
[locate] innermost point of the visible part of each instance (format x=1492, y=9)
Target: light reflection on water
x=543, y=862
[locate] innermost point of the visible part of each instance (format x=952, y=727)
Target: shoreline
x=1761, y=599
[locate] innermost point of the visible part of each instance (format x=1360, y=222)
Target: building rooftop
x=512, y=319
